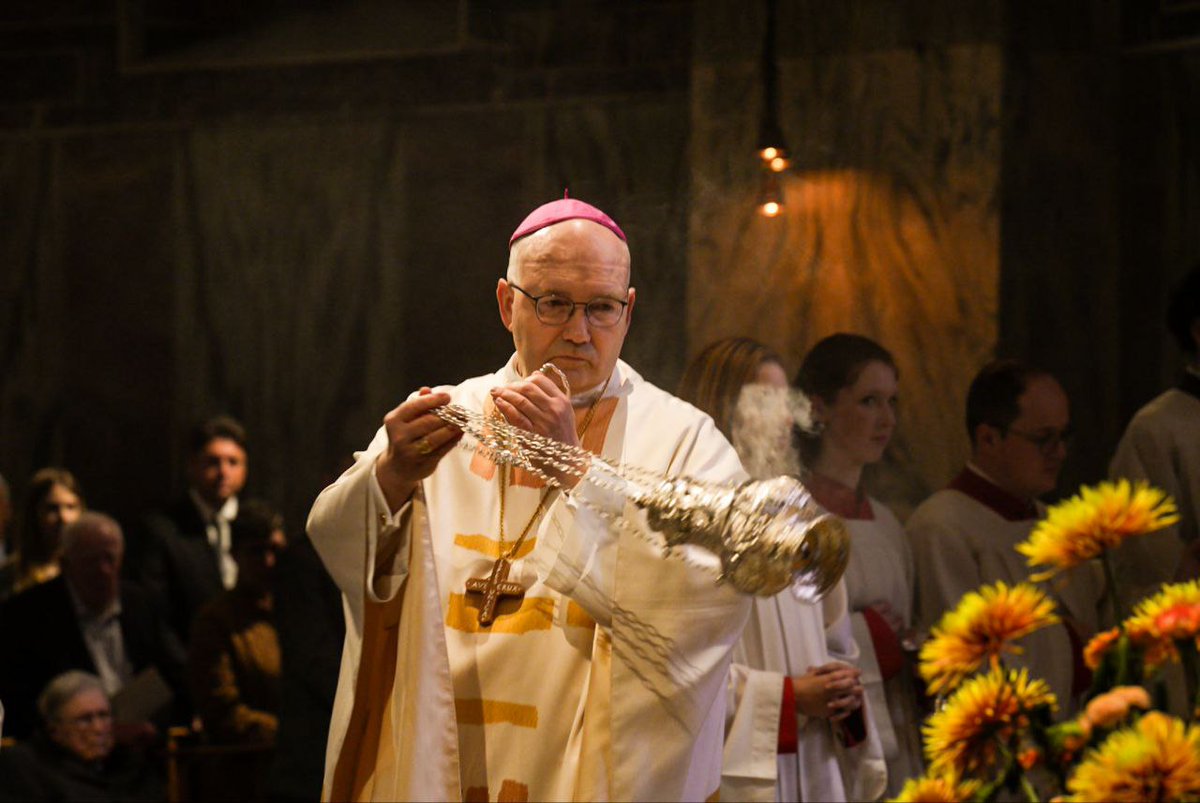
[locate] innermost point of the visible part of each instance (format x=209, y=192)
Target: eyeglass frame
x=1048, y=443
x=574, y=305
x=87, y=719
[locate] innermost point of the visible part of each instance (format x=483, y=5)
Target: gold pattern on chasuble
x=592, y=440
x=578, y=617
x=368, y=752
x=491, y=548
x=510, y=792
x=474, y=711
x=529, y=615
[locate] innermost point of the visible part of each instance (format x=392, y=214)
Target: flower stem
x=1187, y=651
x=1114, y=599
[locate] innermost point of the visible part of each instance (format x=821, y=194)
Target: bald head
x=93, y=549
x=587, y=244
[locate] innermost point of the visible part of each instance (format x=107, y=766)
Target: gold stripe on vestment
x=491, y=547
x=490, y=712
x=535, y=613
x=578, y=617
x=510, y=792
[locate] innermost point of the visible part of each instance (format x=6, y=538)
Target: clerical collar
x=972, y=482
x=1190, y=382
x=618, y=384
x=839, y=499
x=228, y=511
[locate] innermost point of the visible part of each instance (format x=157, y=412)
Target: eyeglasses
x=555, y=310
x=1046, y=442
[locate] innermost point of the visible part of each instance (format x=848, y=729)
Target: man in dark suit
x=84, y=619
x=182, y=554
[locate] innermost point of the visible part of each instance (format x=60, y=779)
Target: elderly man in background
x=602, y=674
x=1019, y=422
x=85, y=619
x=73, y=756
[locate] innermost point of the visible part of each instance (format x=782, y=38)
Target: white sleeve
x=363, y=544
x=754, y=705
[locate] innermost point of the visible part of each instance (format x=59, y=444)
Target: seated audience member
x=234, y=659
x=73, y=756
x=852, y=383
x=5, y=519
x=53, y=501
x=86, y=619
x=7, y=564
x=1019, y=422
x=793, y=685
x=308, y=618
x=1162, y=445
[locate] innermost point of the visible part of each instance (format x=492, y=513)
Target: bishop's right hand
x=417, y=442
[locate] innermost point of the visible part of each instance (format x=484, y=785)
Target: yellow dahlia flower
x=938, y=789
x=962, y=736
x=1095, y=519
x=981, y=628
x=1156, y=759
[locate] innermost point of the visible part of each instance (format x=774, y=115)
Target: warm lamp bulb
x=769, y=153
x=778, y=164
x=770, y=209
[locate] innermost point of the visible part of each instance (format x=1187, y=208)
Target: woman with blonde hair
x=793, y=688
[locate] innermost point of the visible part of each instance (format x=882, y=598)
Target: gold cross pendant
x=492, y=589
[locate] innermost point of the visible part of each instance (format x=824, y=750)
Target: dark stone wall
x=296, y=212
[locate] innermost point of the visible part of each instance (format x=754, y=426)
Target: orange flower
x=963, y=735
x=1173, y=614
x=1099, y=646
x=1156, y=759
x=1106, y=710
x=980, y=629
x=1096, y=519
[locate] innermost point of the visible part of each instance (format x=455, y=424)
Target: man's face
x=1028, y=456
x=218, y=471
x=84, y=726
x=92, y=566
x=582, y=261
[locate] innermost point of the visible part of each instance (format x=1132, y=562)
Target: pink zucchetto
x=563, y=209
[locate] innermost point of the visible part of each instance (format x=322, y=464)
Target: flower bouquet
x=994, y=732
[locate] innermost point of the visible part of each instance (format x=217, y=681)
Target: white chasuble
x=1162, y=446
x=959, y=544
x=784, y=638
x=606, y=681
x=881, y=571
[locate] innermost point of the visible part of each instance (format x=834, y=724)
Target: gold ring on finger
x=422, y=446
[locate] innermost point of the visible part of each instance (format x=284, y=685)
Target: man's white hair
x=90, y=521
x=64, y=688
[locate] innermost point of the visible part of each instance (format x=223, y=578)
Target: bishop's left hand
x=537, y=404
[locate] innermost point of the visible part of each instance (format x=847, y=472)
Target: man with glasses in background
x=600, y=672
x=1019, y=423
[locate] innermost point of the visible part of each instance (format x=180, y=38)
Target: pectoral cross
x=492, y=589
